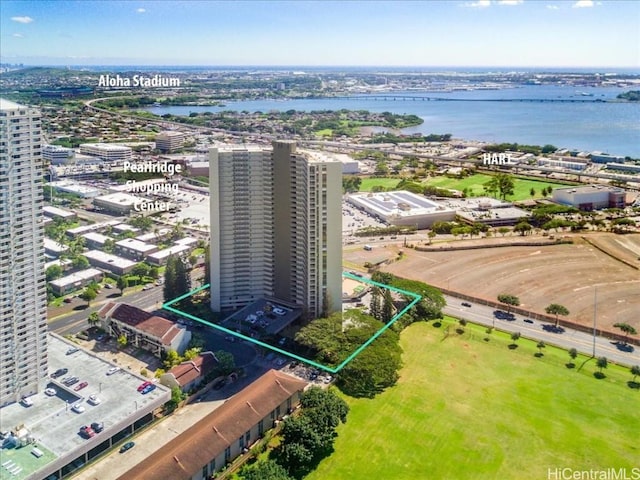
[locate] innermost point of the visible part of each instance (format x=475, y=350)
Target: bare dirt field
x=564, y=274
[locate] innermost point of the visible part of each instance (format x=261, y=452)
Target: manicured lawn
x=475, y=184
x=469, y=409
x=368, y=183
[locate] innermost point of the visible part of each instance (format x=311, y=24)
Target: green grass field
x=469, y=409
x=475, y=184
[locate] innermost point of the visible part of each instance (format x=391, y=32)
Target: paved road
x=583, y=342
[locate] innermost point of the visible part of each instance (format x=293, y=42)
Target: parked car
x=143, y=385
x=94, y=400
x=127, y=446
x=97, y=427
x=87, y=432
x=78, y=408
x=71, y=381
x=59, y=372
x=26, y=401
x=113, y=370
x=50, y=391
x=149, y=388
x=72, y=350
x=81, y=386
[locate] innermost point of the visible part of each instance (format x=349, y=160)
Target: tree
x=265, y=470
x=515, y=336
x=93, y=319
x=556, y=309
x=627, y=329
x=122, y=341
x=226, y=362
x=573, y=353
x=431, y=235
x=491, y=187
x=635, y=371
x=522, y=228
x=503, y=230
x=382, y=168
x=53, y=272
x=140, y=269
x=602, y=363
x=532, y=192
x=540, y=346
x=509, y=300
x=177, y=280
x=122, y=283
x=171, y=359
x=387, y=306
x=80, y=262
x=88, y=295
x=375, y=308
x=191, y=353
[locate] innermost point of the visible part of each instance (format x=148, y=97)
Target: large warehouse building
x=402, y=208
x=590, y=197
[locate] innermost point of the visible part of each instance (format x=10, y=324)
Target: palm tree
x=557, y=309
x=509, y=300
x=635, y=371
x=93, y=319
x=627, y=329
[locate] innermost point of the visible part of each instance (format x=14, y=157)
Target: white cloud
x=553, y=7
x=18, y=35
x=479, y=4
x=583, y=4
x=22, y=19
x=141, y=10
x=510, y=2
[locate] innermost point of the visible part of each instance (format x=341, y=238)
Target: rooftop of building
x=188, y=452
x=581, y=189
x=153, y=325
x=400, y=202
x=106, y=146
x=109, y=258
x=76, y=277
x=190, y=370
x=9, y=105
x=176, y=249
x=120, y=198
x=136, y=245
x=261, y=313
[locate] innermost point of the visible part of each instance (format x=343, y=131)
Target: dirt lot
x=539, y=276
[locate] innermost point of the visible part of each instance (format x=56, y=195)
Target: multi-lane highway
x=568, y=338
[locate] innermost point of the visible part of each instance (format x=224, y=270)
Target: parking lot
x=354, y=219
x=52, y=420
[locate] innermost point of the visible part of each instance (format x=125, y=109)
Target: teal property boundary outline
x=415, y=296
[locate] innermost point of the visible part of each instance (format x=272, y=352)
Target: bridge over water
x=417, y=98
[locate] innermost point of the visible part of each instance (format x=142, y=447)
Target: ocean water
x=612, y=127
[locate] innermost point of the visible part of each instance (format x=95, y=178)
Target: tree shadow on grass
x=538, y=354
x=513, y=346
x=634, y=385
x=437, y=324
x=599, y=375
x=570, y=365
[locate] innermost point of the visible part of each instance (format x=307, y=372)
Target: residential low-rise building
x=161, y=257
x=135, y=249
x=225, y=433
x=190, y=374
x=109, y=262
x=75, y=281
x=144, y=330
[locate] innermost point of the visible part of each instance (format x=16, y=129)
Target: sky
x=474, y=33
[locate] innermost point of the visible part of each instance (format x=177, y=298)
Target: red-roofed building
x=191, y=373
x=143, y=329
x=221, y=436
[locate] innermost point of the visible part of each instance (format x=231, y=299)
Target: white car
x=113, y=370
x=94, y=400
x=78, y=408
x=26, y=401
x=50, y=391
x=279, y=311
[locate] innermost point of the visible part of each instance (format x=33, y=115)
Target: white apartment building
x=275, y=227
x=169, y=141
x=107, y=151
x=23, y=297
x=241, y=198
